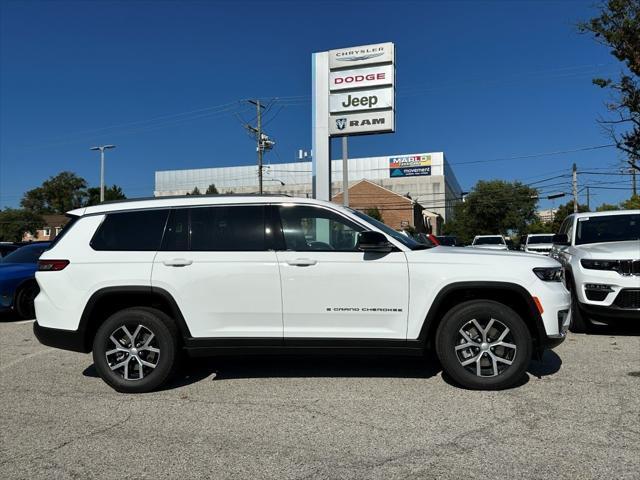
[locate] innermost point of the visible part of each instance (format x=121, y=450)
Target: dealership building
x=425, y=178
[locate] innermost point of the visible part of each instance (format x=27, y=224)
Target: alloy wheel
x=485, y=348
x=135, y=355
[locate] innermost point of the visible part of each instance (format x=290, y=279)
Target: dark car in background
x=448, y=240
x=6, y=248
x=18, y=287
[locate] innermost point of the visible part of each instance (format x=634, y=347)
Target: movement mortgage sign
x=353, y=94
x=410, y=165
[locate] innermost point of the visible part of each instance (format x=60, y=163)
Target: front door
x=330, y=289
x=215, y=262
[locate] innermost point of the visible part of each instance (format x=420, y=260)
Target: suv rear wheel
x=483, y=345
x=135, y=350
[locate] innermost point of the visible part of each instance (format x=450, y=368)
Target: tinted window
x=609, y=228
x=28, y=254
x=131, y=231
x=310, y=228
x=229, y=229
x=489, y=241
x=542, y=239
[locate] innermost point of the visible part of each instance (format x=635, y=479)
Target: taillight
x=52, y=265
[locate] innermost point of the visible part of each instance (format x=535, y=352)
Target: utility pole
x=634, y=188
x=102, y=149
x=588, y=202
x=345, y=171
x=263, y=142
x=575, y=188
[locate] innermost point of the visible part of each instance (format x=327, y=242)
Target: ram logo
x=341, y=123
x=365, y=122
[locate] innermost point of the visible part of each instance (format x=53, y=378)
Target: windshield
x=488, y=241
x=540, y=239
x=28, y=254
x=608, y=228
x=406, y=241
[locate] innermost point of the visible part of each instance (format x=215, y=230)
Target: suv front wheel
x=483, y=345
x=135, y=350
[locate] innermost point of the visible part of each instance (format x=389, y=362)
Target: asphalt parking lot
x=577, y=415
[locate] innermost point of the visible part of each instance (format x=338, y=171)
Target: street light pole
x=102, y=149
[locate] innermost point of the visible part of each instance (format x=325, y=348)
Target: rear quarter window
x=131, y=231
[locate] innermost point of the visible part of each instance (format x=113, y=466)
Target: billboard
x=361, y=82
x=410, y=166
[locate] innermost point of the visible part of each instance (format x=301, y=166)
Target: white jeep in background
x=136, y=282
x=601, y=255
x=539, y=243
x=490, y=242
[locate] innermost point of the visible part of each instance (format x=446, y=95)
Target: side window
x=131, y=231
x=216, y=229
x=308, y=228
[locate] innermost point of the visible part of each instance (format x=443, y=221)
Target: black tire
x=24, y=300
x=579, y=323
x=127, y=378
x=505, y=320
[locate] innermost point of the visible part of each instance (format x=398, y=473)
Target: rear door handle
x=302, y=262
x=177, y=262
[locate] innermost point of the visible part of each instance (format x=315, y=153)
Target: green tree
x=563, y=212
x=618, y=27
x=212, y=190
x=195, y=191
x=538, y=226
x=632, y=204
x=58, y=194
x=15, y=222
x=494, y=207
x=114, y=192
x=606, y=207
x=374, y=213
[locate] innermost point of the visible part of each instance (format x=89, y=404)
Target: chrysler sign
x=364, y=55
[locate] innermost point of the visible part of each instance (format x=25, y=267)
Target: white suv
x=137, y=281
x=601, y=255
x=490, y=242
x=539, y=243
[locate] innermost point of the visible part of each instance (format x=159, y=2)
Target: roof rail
x=210, y=195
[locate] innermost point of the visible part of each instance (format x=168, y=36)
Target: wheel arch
x=106, y=301
x=510, y=294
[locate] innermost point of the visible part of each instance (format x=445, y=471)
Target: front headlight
x=600, y=264
x=549, y=274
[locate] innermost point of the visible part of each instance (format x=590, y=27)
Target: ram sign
x=357, y=123
x=410, y=166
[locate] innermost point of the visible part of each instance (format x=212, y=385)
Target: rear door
x=216, y=262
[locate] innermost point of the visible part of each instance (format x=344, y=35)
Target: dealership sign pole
x=353, y=93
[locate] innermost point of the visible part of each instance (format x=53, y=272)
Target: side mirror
x=561, y=239
x=369, y=241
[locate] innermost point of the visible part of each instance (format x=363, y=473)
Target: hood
x=13, y=270
x=486, y=255
x=629, y=250
x=534, y=246
x=490, y=247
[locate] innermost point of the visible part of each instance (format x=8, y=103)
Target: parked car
x=447, y=240
x=601, y=255
x=540, y=243
x=491, y=242
x=426, y=239
x=137, y=281
x=18, y=287
x=6, y=248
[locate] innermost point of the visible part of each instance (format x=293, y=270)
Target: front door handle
x=302, y=262
x=177, y=262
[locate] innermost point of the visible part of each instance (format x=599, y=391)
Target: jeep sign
x=362, y=77
x=361, y=100
x=359, y=123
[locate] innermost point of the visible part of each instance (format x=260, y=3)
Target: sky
x=499, y=86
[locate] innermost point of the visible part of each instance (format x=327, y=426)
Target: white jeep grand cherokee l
x=136, y=282
x=601, y=255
